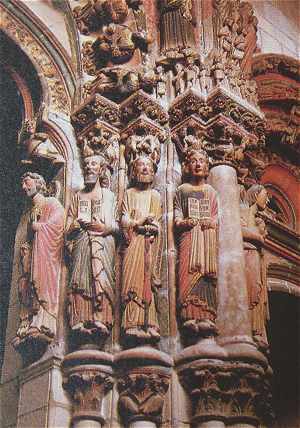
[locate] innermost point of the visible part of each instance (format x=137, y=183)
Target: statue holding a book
x=91, y=226
x=196, y=214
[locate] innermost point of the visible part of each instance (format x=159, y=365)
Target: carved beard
x=90, y=179
x=142, y=178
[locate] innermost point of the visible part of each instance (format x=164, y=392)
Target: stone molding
x=59, y=98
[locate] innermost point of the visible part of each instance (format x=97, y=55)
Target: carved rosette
x=232, y=391
x=87, y=379
x=143, y=381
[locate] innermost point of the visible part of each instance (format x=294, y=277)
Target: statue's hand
x=207, y=224
x=190, y=223
x=150, y=219
x=97, y=226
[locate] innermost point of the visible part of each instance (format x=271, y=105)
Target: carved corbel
x=87, y=379
x=142, y=104
x=143, y=384
x=95, y=108
x=36, y=146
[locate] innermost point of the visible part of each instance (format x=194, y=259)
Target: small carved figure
x=178, y=80
x=161, y=84
x=204, y=78
x=41, y=258
x=141, y=217
x=191, y=73
x=90, y=231
x=38, y=144
x=147, y=74
x=93, y=15
x=249, y=25
x=218, y=70
x=254, y=232
x=196, y=214
x=117, y=43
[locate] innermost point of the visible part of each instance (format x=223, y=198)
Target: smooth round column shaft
x=142, y=424
x=233, y=311
x=86, y=423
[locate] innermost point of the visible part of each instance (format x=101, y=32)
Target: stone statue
x=38, y=144
x=191, y=73
x=179, y=79
x=40, y=259
x=91, y=226
x=254, y=232
x=141, y=217
x=196, y=221
x=161, y=82
x=176, y=27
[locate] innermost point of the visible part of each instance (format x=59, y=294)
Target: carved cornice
x=59, y=99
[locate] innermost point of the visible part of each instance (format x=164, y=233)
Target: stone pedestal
x=43, y=401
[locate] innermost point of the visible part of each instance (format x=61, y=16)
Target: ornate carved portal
x=165, y=241
x=146, y=113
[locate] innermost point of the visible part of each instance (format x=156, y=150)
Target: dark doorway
x=12, y=62
x=285, y=352
x=11, y=201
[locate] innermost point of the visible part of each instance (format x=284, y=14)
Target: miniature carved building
x=150, y=213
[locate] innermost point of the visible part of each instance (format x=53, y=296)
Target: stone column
x=233, y=315
x=87, y=379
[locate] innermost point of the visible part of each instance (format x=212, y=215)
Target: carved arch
x=55, y=76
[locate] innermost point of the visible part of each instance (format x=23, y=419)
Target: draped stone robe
x=92, y=276
x=41, y=259
x=197, y=253
x=141, y=265
x=256, y=273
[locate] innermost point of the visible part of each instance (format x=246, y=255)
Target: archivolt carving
x=58, y=97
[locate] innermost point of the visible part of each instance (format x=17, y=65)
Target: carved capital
x=234, y=392
x=87, y=379
x=141, y=103
x=95, y=108
x=143, y=383
x=224, y=128
x=142, y=394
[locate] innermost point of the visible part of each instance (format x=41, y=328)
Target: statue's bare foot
x=191, y=325
x=78, y=326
